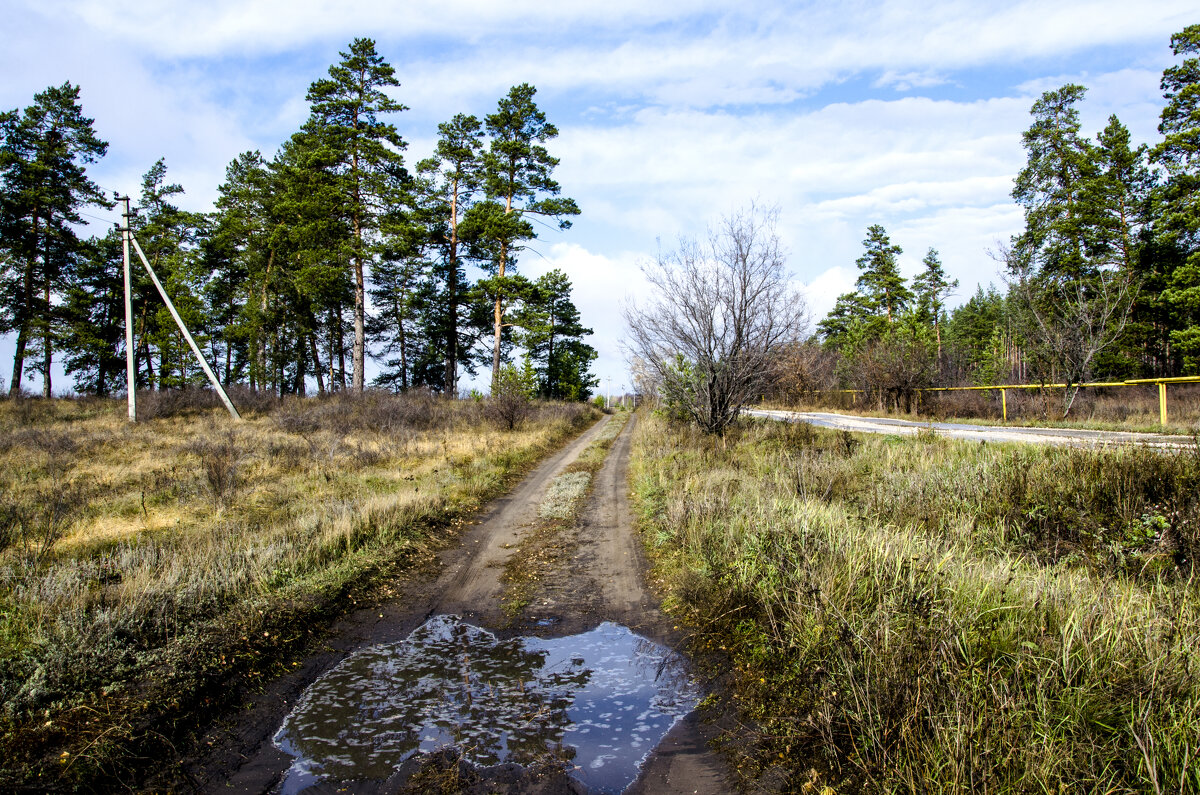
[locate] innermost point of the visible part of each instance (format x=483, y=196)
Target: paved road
x=991, y=433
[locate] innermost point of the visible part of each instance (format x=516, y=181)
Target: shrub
x=511, y=394
x=219, y=462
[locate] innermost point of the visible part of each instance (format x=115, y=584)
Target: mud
x=603, y=581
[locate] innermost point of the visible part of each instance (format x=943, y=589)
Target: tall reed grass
x=924, y=615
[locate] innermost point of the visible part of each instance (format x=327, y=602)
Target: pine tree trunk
x=332, y=358
x=551, y=386
x=403, y=343
x=150, y=382
x=341, y=343
x=301, y=367
x=14, y=387
x=316, y=359
x=499, y=300
x=360, y=302
x=360, y=313
x=498, y=318
x=47, y=355
x=451, y=380
x=452, y=331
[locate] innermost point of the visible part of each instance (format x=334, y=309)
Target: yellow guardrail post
x=1004, y=403
x=1162, y=403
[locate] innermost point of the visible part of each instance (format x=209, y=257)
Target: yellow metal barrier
x=1161, y=382
x=1162, y=390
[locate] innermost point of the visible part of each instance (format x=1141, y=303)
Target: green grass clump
x=923, y=615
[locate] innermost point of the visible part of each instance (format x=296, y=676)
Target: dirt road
x=604, y=581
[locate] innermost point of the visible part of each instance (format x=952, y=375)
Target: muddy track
x=603, y=581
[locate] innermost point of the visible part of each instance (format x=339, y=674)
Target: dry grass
x=923, y=615
x=144, y=564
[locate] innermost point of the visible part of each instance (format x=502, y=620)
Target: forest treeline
x=1103, y=283
x=330, y=252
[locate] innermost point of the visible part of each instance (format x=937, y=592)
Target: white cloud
x=833, y=171
x=907, y=81
x=823, y=291
x=671, y=113
x=601, y=284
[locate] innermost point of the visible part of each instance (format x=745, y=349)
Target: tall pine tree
x=518, y=175
x=44, y=152
x=453, y=178
x=346, y=111
x=932, y=289
x=553, y=336
x=1179, y=226
x=881, y=283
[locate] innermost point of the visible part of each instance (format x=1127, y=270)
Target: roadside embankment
x=920, y=614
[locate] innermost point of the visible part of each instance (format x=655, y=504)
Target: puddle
x=602, y=699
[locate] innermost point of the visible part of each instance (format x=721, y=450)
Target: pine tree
x=932, y=289
x=44, y=152
x=396, y=285
x=94, y=312
x=518, y=172
x=234, y=252
x=309, y=277
x=169, y=237
x=345, y=114
x=553, y=337
x=1179, y=227
x=453, y=178
x=881, y=283
x=1116, y=199
x=1075, y=297
x=1051, y=187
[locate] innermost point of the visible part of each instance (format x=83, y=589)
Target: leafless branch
x=722, y=309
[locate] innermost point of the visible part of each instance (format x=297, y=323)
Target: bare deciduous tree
x=801, y=371
x=1071, y=320
x=723, y=309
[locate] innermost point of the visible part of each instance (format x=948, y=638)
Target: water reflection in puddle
x=603, y=699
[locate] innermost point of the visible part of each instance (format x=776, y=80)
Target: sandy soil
x=604, y=581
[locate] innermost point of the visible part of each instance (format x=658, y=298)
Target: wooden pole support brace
x=233, y=412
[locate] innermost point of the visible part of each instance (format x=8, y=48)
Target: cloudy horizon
x=670, y=115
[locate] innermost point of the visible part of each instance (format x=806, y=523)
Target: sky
x=670, y=114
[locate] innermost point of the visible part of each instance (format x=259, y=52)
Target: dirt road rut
x=603, y=581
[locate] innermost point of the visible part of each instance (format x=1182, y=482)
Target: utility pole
x=130, y=374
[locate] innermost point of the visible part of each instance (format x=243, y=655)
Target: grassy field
x=148, y=570
x=925, y=615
